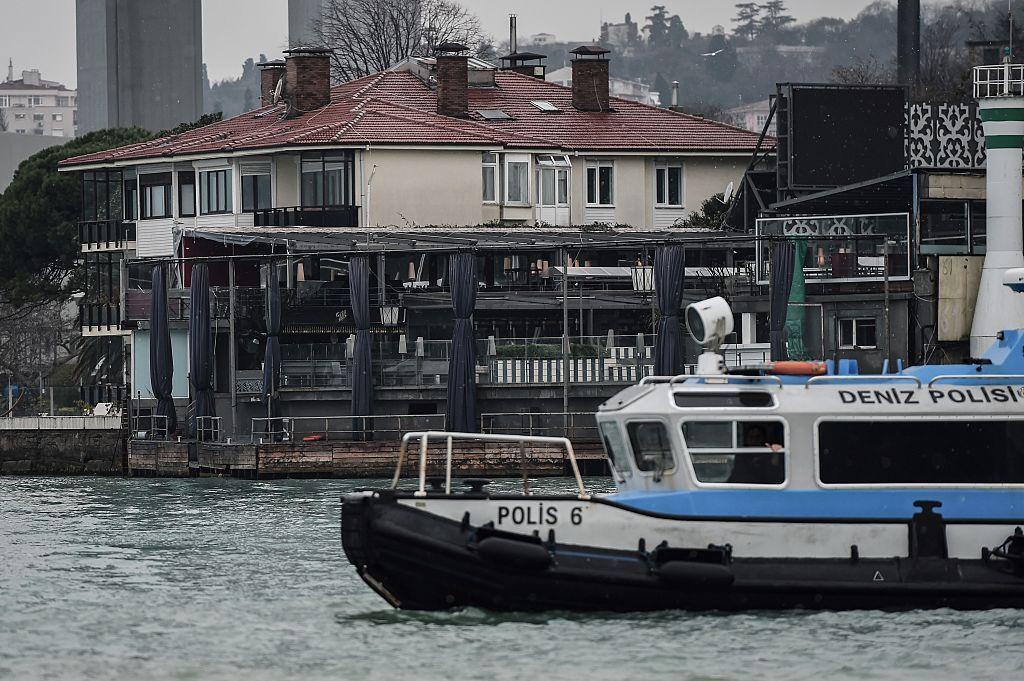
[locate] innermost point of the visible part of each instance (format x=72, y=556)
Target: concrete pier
x=62, y=445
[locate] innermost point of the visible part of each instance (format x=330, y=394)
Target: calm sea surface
x=222, y=579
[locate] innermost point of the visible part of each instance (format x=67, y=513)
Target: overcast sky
x=236, y=29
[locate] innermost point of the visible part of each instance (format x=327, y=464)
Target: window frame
x=662, y=184
x=733, y=419
x=596, y=166
x=253, y=178
x=816, y=452
x=168, y=199
x=203, y=183
x=323, y=158
x=491, y=166
x=195, y=192
x=856, y=345
x=632, y=452
x=517, y=159
x=626, y=452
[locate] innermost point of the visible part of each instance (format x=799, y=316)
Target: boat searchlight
x=1013, y=279
x=709, y=322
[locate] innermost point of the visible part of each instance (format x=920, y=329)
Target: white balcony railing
x=1000, y=80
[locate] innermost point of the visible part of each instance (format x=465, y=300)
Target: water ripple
x=227, y=579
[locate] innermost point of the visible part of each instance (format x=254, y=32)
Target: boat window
x=652, y=450
x=738, y=399
x=921, y=451
x=615, y=447
x=739, y=452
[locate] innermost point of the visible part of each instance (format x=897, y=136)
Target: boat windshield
x=740, y=452
x=615, y=448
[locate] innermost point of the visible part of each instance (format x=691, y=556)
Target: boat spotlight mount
x=709, y=322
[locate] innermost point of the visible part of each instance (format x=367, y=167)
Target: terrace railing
x=105, y=234
x=306, y=216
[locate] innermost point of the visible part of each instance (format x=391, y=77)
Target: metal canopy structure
x=298, y=240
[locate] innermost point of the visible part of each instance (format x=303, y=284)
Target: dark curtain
x=362, y=360
x=161, y=361
x=200, y=346
x=668, y=294
x=780, y=286
x=461, y=415
x=272, y=356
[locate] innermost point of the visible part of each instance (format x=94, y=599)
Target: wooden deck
x=344, y=459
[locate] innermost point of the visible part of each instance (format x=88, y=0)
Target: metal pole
x=885, y=265
x=232, y=347
x=564, y=256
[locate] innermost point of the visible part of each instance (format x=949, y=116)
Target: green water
x=224, y=579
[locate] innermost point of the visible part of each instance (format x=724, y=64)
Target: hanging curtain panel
x=461, y=414
x=668, y=290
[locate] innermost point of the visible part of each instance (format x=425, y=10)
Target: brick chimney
x=270, y=73
x=590, y=78
x=452, y=80
x=307, y=80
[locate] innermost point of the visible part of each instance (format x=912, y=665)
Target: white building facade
x=33, y=106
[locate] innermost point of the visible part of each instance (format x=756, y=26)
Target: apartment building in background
x=34, y=106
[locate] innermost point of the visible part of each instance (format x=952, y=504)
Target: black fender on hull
x=421, y=561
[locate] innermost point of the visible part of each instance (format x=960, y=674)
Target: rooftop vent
x=544, y=105
x=494, y=115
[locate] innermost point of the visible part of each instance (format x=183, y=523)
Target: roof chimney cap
x=514, y=57
x=593, y=51
x=271, y=64
x=450, y=48
x=306, y=50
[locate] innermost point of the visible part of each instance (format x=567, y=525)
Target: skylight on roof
x=543, y=105
x=494, y=115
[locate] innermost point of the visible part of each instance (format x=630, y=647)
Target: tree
x=39, y=212
x=657, y=27
x=368, y=36
x=774, y=16
x=747, y=20
x=677, y=33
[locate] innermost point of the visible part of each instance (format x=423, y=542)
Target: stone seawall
x=62, y=452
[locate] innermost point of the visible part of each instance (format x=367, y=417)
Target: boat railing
x=864, y=378
x=449, y=438
x=975, y=377
x=717, y=378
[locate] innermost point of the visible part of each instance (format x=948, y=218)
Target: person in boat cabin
x=766, y=468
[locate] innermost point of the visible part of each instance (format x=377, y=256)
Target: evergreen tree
x=747, y=20
x=657, y=27
x=774, y=16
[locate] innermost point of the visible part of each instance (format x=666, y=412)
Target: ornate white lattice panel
x=944, y=135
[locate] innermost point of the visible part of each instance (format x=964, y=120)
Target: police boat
x=735, y=491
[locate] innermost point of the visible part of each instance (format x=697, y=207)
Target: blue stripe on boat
x=970, y=504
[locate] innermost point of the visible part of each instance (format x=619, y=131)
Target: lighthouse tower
x=999, y=90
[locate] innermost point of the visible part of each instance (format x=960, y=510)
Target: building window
x=35, y=101
x=857, y=333
x=517, y=179
x=20, y=131
x=739, y=452
x=19, y=116
x=155, y=193
x=668, y=185
x=63, y=101
x=131, y=199
x=38, y=131
x=187, y=193
x=215, y=191
x=256, y=192
x=5, y=101
x=57, y=132
x=600, y=183
x=489, y=170
x=328, y=180
x=922, y=452
x=58, y=117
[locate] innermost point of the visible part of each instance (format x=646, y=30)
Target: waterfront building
x=557, y=189
x=31, y=105
x=139, y=63
x=751, y=116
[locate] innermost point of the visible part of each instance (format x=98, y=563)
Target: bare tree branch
x=368, y=36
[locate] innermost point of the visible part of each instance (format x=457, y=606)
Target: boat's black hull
x=420, y=561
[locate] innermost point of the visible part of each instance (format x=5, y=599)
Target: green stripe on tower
x=1010, y=114
x=1004, y=142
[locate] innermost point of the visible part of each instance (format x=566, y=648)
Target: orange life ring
x=790, y=368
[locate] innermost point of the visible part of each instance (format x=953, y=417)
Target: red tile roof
x=396, y=107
